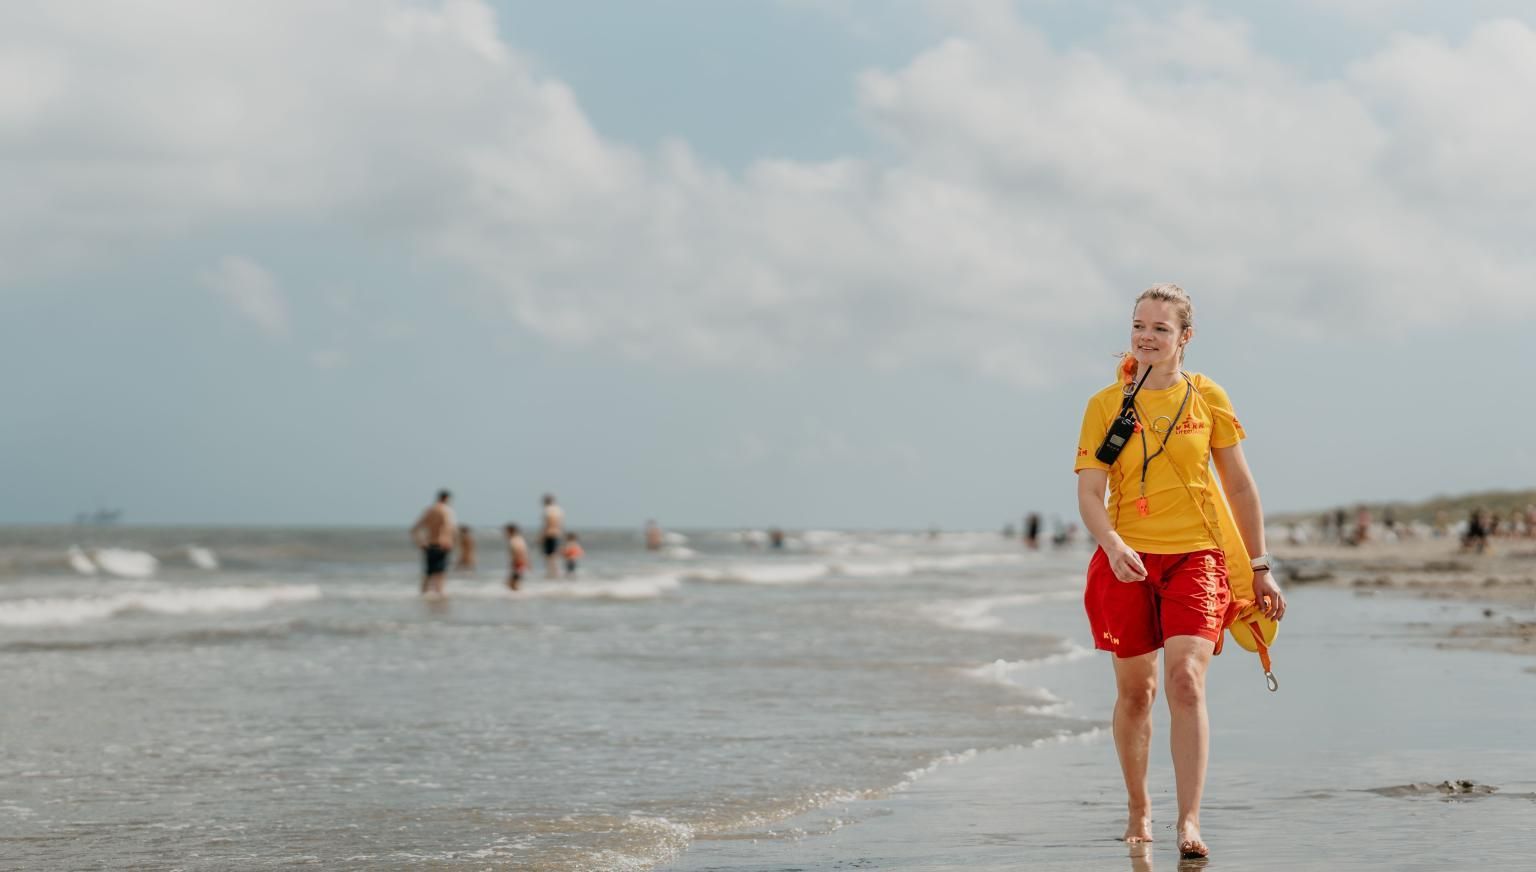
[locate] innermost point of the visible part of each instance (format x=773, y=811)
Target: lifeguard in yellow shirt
x=1159, y=578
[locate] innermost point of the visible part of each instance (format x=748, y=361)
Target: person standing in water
x=552, y=532
x=573, y=553
x=517, y=554
x=466, y=549
x=653, y=537
x=433, y=534
x=1032, y=531
x=1158, y=579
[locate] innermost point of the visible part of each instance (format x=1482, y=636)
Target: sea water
x=265, y=698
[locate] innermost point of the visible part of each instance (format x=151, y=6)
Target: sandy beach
x=1399, y=740
x=1503, y=580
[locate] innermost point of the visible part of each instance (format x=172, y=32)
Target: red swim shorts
x=1182, y=595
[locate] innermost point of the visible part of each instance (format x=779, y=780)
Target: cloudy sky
x=807, y=262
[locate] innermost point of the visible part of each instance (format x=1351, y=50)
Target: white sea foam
x=874, y=569
x=665, y=841
x=969, y=561
x=202, y=558
x=1004, y=671
x=755, y=538
x=678, y=552
x=1036, y=700
x=915, y=775
x=895, y=568
x=671, y=538
x=1067, y=737
x=125, y=563
x=68, y=611
x=631, y=588
x=80, y=562
x=764, y=573
x=977, y=614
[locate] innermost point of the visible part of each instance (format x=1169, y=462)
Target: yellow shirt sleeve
x=1226, y=430
x=1096, y=420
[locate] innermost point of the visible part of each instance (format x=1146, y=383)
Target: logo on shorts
x=1082, y=452
x=1212, y=586
x=1113, y=640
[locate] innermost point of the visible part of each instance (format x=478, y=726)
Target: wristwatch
x=1258, y=563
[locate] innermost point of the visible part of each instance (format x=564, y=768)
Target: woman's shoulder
x=1112, y=393
x=1209, y=389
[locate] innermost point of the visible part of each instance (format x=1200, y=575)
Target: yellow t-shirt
x=1181, y=512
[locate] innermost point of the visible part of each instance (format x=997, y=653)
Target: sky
x=810, y=263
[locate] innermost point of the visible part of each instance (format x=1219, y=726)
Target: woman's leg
x=1185, y=662
x=1136, y=688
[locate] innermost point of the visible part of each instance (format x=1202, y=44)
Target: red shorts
x=1182, y=595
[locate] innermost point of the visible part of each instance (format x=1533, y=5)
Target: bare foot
x=1138, y=829
x=1190, y=845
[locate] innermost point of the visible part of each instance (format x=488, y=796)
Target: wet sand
x=1502, y=581
x=1398, y=740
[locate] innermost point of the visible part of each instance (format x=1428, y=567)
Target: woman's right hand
x=1126, y=563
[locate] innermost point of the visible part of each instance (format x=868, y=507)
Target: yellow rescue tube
x=1245, y=615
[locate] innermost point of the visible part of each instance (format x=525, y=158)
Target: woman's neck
x=1163, y=377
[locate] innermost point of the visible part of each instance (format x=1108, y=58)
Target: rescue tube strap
x=1269, y=673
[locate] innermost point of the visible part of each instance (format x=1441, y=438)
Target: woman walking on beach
x=1159, y=576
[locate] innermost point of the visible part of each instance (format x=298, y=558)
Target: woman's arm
x=1125, y=562
x=1243, y=495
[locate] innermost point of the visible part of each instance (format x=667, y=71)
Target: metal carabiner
x=1272, y=681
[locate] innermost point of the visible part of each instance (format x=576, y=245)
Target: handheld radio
x=1124, y=424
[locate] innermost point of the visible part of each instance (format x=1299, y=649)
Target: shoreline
x=1502, y=581
x=1397, y=731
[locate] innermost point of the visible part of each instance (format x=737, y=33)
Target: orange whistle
x=1141, y=507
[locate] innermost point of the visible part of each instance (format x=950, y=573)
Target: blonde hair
x=1183, y=308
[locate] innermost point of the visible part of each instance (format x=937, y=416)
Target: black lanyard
x=1146, y=460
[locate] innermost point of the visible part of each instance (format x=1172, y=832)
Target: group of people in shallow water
x=1062, y=534
x=438, y=534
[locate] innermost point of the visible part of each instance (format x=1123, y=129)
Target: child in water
x=519, y=548
x=573, y=553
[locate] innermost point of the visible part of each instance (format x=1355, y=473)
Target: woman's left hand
x=1268, y=596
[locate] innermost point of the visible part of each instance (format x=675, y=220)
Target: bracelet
x=1261, y=560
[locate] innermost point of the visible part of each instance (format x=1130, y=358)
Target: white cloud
x=252, y=292
x=1026, y=191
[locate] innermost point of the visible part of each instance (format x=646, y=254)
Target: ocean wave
x=125, y=562
x=977, y=614
x=632, y=587
x=763, y=573
x=69, y=611
x=206, y=636
x=896, y=568
x=1003, y=671
x=79, y=561
x=202, y=558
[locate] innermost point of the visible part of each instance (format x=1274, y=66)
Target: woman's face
x=1155, y=334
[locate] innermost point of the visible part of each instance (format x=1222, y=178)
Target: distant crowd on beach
x=1362, y=526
